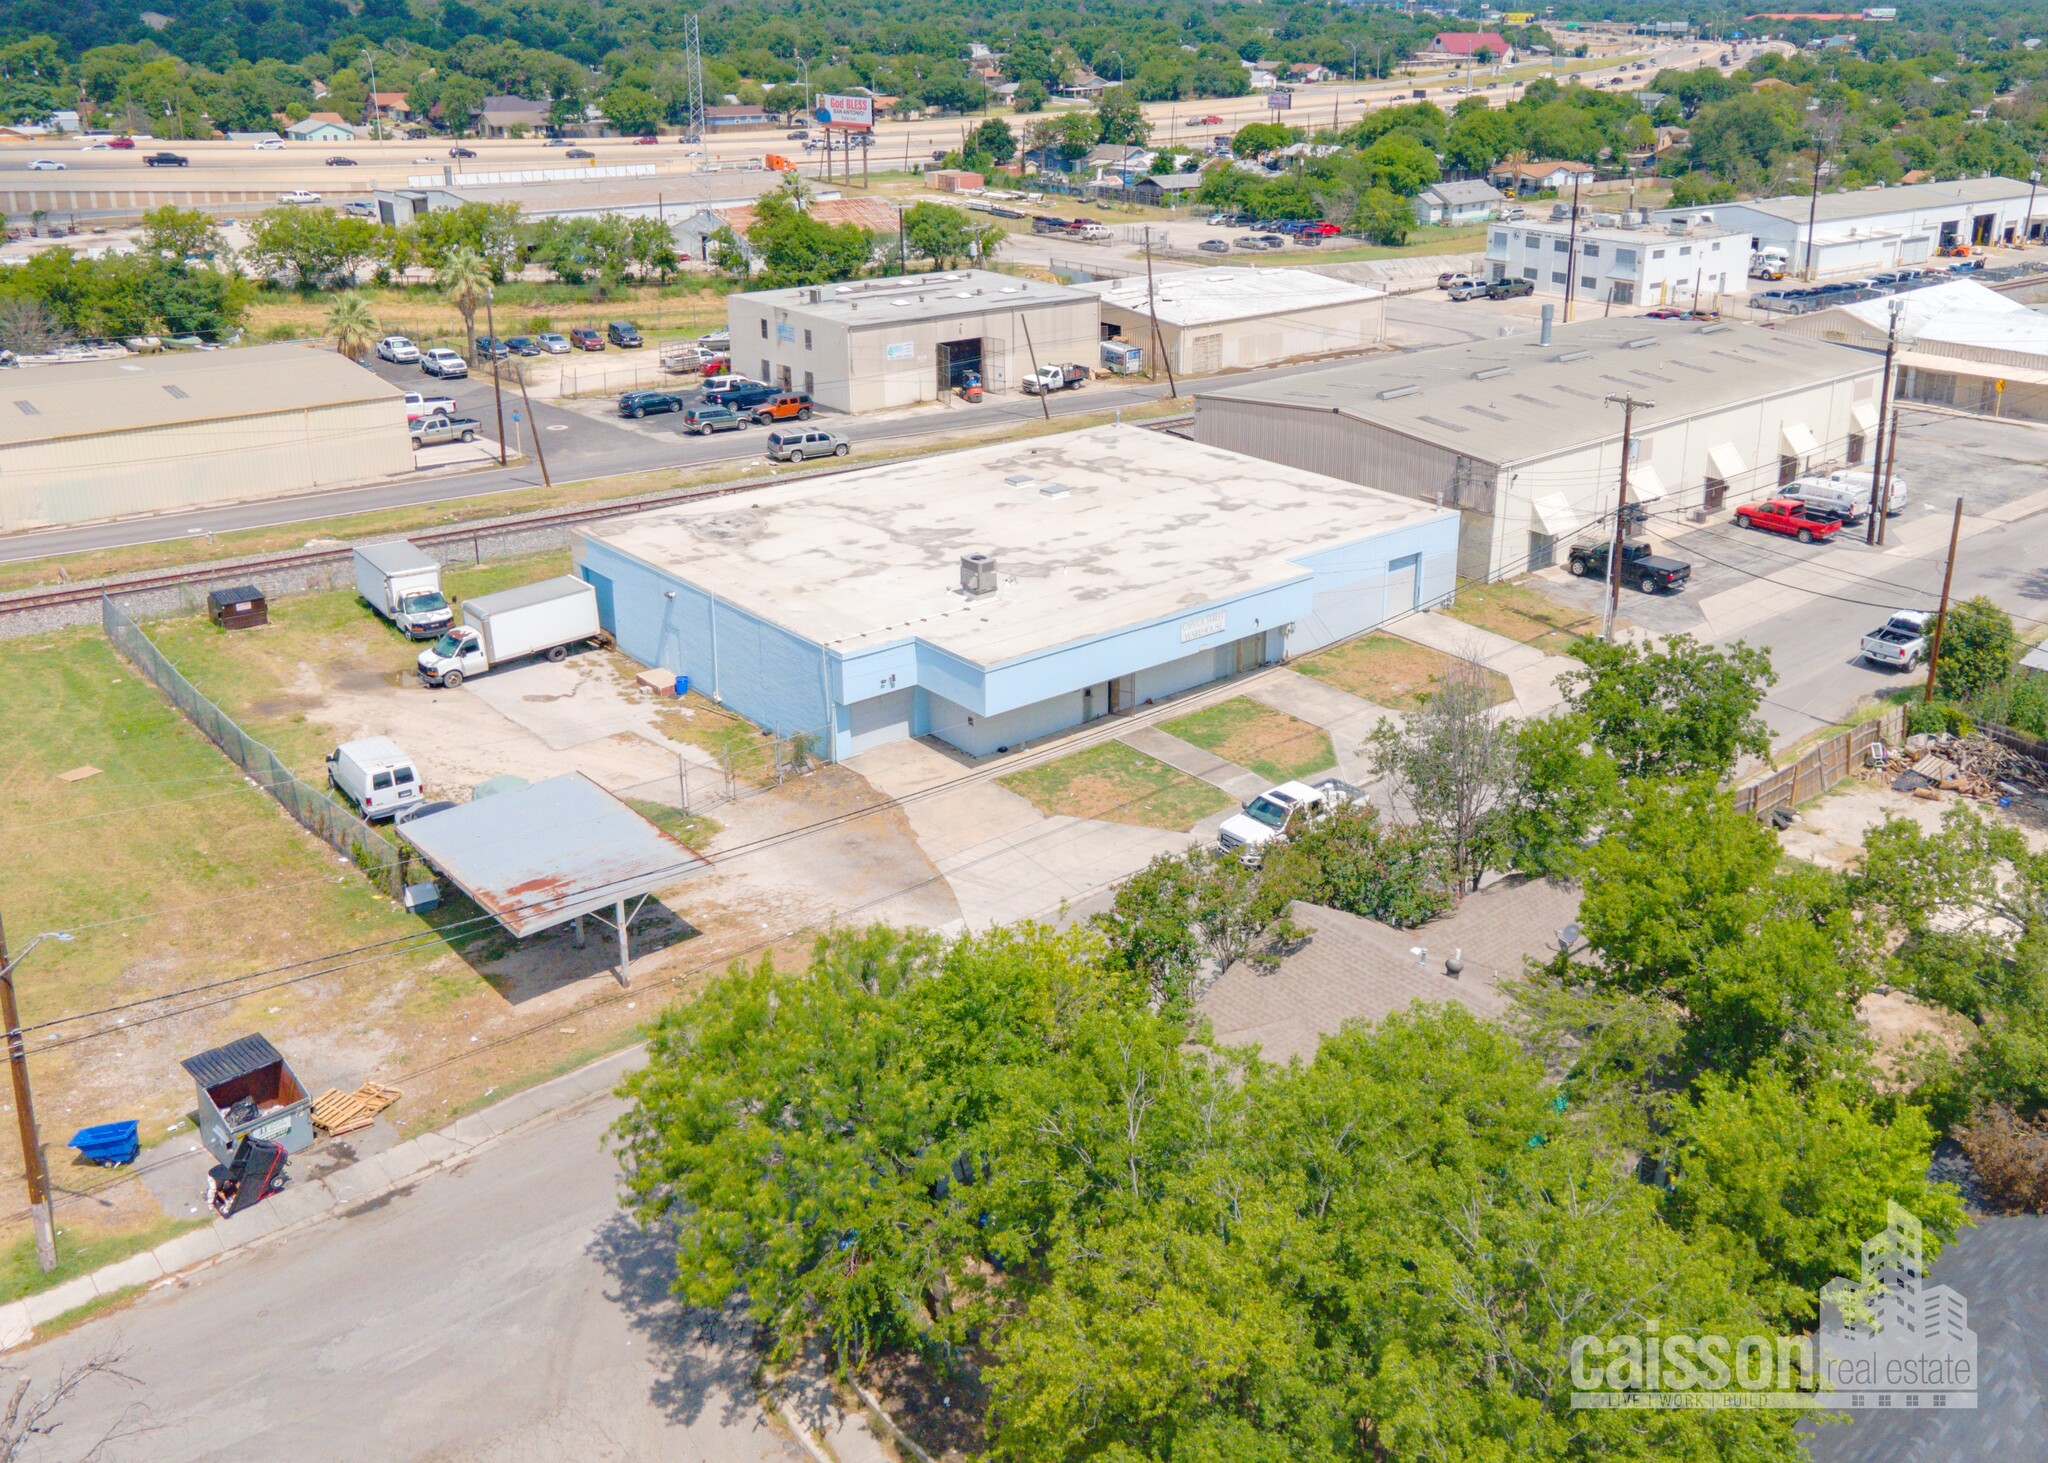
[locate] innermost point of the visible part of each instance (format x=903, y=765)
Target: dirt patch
x=1899, y=1024
x=941, y=1412
x=1389, y=671
x=1117, y=783
x=1271, y=743
x=1829, y=831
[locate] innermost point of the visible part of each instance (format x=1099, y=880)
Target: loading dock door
x=956, y=359
x=1404, y=584
x=1980, y=228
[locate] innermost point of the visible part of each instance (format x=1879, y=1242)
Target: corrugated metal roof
x=538, y=856
x=240, y=1057
x=1875, y=202
x=902, y=298
x=133, y=393
x=1516, y=400
x=1192, y=297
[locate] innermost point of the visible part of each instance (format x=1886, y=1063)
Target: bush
x=1976, y=650
x=1936, y=717
x=1394, y=873
x=2010, y=1155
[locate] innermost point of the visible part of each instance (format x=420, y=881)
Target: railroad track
x=32, y=601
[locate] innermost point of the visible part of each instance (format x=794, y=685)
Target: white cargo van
x=1829, y=496
x=1857, y=480
x=375, y=775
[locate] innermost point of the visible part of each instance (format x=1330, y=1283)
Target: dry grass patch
x=1271, y=743
x=1523, y=612
x=1389, y=671
x=1115, y=783
x=741, y=748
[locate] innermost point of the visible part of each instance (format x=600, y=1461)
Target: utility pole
x=1571, y=254
x=1891, y=461
x=1152, y=309
x=1813, y=207
x=25, y=1116
x=1628, y=431
x=1879, y=463
x=497, y=379
x=1948, y=575
x=540, y=453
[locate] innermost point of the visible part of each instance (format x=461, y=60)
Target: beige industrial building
x=1523, y=435
x=898, y=341
x=1228, y=319
x=1961, y=345
x=152, y=434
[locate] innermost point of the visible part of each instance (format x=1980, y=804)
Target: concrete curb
x=301, y=1206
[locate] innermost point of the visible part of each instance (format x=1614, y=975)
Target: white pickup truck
x=1280, y=811
x=1900, y=643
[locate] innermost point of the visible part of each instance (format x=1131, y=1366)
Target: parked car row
x=1847, y=291
x=1471, y=287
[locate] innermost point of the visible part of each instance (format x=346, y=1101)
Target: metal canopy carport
x=540, y=856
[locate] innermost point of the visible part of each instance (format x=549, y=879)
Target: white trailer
x=535, y=619
x=404, y=586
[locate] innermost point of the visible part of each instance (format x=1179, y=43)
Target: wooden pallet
x=336, y=1112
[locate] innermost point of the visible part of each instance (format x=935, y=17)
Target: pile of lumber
x=1972, y=767
x=336, y=1112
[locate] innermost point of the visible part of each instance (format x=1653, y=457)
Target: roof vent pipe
x=1549, y=312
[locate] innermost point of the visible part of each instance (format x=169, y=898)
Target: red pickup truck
x=1784, y=515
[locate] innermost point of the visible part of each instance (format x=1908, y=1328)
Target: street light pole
x=24, y=1105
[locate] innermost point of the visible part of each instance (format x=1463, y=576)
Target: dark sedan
x=638, y=404
x=742, y=398
x=492, y=350
x=338, y=161
x=523, y=345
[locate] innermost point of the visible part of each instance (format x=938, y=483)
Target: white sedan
x=268, y=144
x=45, y=165
x=299, y=195
x=398, y=350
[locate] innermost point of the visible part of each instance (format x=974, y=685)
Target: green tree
x=462, y=97
x=1787, y=1185
x=994, y=139
x=1400, y=164
x=1677, y=708
x=1120, y=118
x=1478, y=139
x=1977, y=645
x=947, y=235
x=1452, y=763
x=633, y=110
x=352, y=324
x=178, y=234
x=1256, y=139
x=464, y=279
x=1383, y=216
x=1030, y=96
x=311, y=248
x=1563, y=791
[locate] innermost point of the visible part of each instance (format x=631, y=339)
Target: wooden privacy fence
x=1821, y=766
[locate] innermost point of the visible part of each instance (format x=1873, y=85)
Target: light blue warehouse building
x=998, y=595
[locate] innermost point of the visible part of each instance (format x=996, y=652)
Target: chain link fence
x=310, y=807
x=710, y=778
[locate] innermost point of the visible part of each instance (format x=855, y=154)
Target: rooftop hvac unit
x=978, y=574
x=1560, y=211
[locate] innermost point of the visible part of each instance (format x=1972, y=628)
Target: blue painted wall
x=788, y=684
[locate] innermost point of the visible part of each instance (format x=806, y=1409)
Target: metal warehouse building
x=1875, y=228
x=149, y=434
x=1227, y=319
x=1005, y=593
x=898, y=341
x=1518, y=434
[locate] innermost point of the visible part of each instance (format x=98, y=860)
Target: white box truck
x=534, y=619
x=404, y=586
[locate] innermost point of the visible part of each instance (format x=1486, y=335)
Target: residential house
x=1472, y=201
x=321, y=127
x=739, y=118
x=1534, y=177
x=1167, y=189
x=1084, y=84
x=1466, y=45
x=1307, y=73
x=1115, y=162
x=1261, y=77
x=502, y=116
x=389, y=105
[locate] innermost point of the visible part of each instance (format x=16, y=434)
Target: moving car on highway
x=299, y=195
x=45, y=165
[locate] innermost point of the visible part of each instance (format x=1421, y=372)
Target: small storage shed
x=238, y=608
x=250, y=1072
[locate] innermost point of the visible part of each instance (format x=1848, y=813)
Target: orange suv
x=782, y=407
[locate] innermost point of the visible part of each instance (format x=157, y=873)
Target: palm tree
x=797, y=189
x=464, y=278
x=352, y=324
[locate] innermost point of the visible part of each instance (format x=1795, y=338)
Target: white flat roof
x=1874, y=202
x=1192, y=297
x=1093, y=532
x=1962, y=313
x=1654, y=235
x=892, y=300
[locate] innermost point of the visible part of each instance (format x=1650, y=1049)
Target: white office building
x=1620, y=260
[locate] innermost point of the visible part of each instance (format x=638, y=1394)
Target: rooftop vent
x=1711, y=329
x=28, y=408
x=1639, y=342
x=1489, y=373
x=1053, y=490
x=1394, y=392
x=1562, y=357
x=978, y=574
x=177, y=391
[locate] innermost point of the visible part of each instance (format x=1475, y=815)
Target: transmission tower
x=693, y=68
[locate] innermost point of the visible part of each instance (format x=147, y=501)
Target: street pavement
x=501, y=1312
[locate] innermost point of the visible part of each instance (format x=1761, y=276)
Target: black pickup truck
x=1640, y=565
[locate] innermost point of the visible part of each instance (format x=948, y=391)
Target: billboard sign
x=846, y=111
x=1280, y=101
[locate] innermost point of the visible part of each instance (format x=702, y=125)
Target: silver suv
x=794, y=444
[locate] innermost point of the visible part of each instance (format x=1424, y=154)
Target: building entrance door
x=1122, y=692
x=957, y=358
x=1404, y=584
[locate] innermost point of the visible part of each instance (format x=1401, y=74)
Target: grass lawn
x=691, y=830
x=1523, y=612
x=1271, y=743
x=1388, y=671
x=1118, y=784
x=1466, y=240
x=80, y=1251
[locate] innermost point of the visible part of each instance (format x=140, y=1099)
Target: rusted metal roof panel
x=539, y=856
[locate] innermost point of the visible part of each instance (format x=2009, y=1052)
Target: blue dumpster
x=108, y=1143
